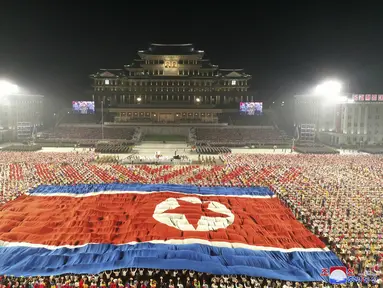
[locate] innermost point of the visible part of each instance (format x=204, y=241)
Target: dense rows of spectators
x=229, y=136
x=338, y=197
x=77, y=132
x=81, y=118
x=245, y=120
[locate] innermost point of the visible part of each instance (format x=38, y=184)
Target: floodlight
x=7, y=88
x=329, y=88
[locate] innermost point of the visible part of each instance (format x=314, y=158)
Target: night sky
x=51, y=47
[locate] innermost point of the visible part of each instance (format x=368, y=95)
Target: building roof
x=108, y=73
x=205, y=63
x=171, y=49
x=233, y=73
x=136, y=64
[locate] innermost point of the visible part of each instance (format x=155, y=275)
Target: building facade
x=362, y=123
x=352, y=121
x=169, y=76
x=20, y=113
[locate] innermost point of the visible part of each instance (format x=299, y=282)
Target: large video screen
x=83, y=107
x=251, y=108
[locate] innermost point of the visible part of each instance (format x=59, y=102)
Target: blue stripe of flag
x=94, y=258
x=188, y=189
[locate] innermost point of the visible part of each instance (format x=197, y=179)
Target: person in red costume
x=113, y=283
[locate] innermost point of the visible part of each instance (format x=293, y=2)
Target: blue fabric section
x=94, y=258
x=190, y=189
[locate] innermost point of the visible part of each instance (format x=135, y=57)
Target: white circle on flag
x=180, y=221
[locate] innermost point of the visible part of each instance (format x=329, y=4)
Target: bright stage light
x=7, y=88
x=329, y=89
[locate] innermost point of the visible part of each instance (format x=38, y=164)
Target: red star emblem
x=194, y=211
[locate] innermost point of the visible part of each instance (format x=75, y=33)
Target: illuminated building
x=20, y=111
x=356, y=120
x=170, y=83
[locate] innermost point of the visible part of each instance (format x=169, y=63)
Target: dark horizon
x=52, y=47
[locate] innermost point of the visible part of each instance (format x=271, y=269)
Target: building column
x=344, y=118
x=365, y=119
x=359, y=118
x=352, y=118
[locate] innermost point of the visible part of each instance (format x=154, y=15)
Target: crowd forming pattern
x=338, y=197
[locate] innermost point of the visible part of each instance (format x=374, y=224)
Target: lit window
x=106, y=82
x=233, y=82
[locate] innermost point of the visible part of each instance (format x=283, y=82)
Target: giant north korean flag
x=93, y=228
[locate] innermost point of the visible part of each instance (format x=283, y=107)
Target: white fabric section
x=170, y=203
x=174, y=242
x=215, y=223
x=111, y=192
x=180, y=222
x=177, y=221
x=193, y=200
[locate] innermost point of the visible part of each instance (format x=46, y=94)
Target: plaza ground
x=149, y=149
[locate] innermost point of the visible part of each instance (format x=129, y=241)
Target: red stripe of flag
x=125, y=218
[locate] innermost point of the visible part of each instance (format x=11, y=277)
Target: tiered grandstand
x=89, y=135
x=90, y=132
x=239, y=136
x=233, y=130
x=81, y=118
x=235, y=118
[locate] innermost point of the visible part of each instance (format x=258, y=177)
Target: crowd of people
x=243, y=119
x=235, y=136
x=150, y=278
x=212, y=150
x=207, y=160
x=339, y=198
x=113, y=148
x=80, y=132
